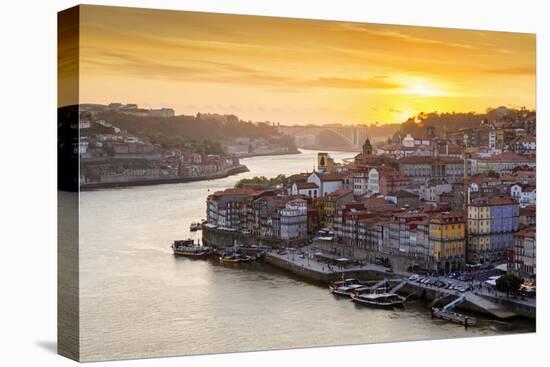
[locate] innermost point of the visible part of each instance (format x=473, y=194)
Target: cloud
x=516, y=70
x=347, y=83
x=216, y=71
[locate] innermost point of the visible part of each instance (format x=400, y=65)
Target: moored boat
x=235, y=258
x=346, y=290
x=194, y=227
x=378, y=299
x=343, y=283
x=188, y=248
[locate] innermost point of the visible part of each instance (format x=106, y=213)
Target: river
x=138, y=300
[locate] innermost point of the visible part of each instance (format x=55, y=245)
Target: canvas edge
x=68, y=315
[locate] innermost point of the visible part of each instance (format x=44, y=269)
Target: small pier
x=447, y=313
x=399, y=286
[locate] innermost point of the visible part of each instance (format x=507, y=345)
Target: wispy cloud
x=515, y=70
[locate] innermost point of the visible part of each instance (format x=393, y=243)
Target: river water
x=138, y=300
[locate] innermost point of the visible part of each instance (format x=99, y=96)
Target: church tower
x=367, y=147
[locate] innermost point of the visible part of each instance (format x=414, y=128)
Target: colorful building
x=491, y=224
x=447, y=249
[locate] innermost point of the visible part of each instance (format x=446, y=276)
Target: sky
x=298, y=71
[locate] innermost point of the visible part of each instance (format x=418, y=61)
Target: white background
x=28, y=181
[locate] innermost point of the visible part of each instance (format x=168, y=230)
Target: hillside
x=210, y=129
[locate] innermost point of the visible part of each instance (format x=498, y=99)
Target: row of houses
x=424, y=236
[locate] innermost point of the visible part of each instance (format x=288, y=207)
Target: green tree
x=508, y=283
x=262, y=180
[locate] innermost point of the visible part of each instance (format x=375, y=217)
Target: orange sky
x=298, y=71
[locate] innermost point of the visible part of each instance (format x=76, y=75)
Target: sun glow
x=330, y=72
x=420, y=87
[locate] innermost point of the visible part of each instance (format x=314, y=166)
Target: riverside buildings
x=437, y=208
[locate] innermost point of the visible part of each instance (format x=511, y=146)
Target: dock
x=447, y=313
x=309, y=268
x=454, y=317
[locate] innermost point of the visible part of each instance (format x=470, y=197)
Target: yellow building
x=447, y=245
x=479, y=219
x=328, y=204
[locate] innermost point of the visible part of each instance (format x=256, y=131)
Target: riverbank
x=305, y=265
x=340, y=150
x=321, y=263
x=159, y=181
x=252, y=155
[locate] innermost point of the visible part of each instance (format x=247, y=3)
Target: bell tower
x=367, y=147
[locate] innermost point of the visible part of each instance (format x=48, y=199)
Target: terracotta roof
x=244, y=191
x=509, y=178
x=416, y=160
x=528, y=233
x=509, y=156
x=526, y=173
x=417, y=222
x=330, y=176
x=298, y=177
x=479, y=179
x=527, y=139
x=453, y=149
x=306, y=185
x=529, y=189
x=501, y=201
x=374, y=201
x=403, y=194
x=528, y=210
x=391, y=173
x=455, y=216
x=447, y=159
x=340, y=192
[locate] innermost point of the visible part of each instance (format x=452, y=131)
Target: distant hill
x=203, y=127
x=452, y=121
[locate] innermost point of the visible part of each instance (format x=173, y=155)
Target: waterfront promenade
x=305, y=258
x=304, y=262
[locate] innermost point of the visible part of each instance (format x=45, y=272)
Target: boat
x=378, y=299
x=235, y=258
x=346, y=290
x=190, y=249
x=194, y=227
x=343, y=283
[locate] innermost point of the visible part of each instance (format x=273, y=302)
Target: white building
x=327, y=182
x=360, y=183
x=492, y=139
x=304, y=188
x=515, y=191
x=408, y=141
x=528, y=196
x=293, y=220
x=433, y=192
x=373, y=182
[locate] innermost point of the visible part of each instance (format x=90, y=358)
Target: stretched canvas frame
x=72, y=181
